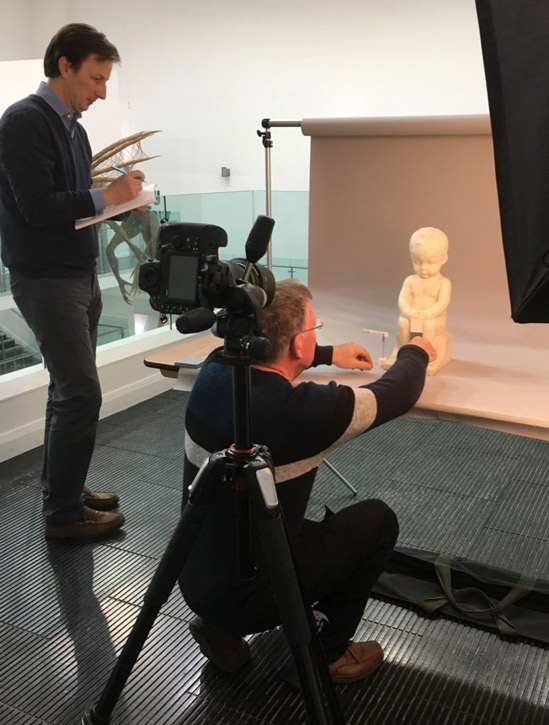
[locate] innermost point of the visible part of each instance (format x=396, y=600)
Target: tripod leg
x=204, y=488
x=288, y=593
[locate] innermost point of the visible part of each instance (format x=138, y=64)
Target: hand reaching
x=350, y=355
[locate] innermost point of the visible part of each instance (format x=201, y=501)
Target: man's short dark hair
x=285, y=316
x=77, y=41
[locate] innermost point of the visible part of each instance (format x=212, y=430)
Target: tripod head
x=244, y=333
x=245, y=342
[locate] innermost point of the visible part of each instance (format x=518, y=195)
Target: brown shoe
x=359, y=660
x=90, y=525
x=222, y=649
x=99, y=500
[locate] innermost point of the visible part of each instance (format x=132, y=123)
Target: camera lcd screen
x=183, y=278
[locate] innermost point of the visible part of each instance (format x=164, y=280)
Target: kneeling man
x=339, y=558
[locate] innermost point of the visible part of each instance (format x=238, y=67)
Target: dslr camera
x=187, y=273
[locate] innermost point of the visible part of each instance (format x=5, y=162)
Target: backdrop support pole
x=268, y=144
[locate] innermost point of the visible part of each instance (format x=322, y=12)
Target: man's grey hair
x=285, y=316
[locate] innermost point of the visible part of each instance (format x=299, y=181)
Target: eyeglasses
x=319, y=324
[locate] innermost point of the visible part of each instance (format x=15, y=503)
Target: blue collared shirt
x=70, y=119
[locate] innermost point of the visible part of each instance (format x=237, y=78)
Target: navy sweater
x=44, y=187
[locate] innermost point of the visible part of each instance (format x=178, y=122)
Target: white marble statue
x=424, y=298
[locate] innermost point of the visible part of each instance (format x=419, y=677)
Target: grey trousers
x=64, y=315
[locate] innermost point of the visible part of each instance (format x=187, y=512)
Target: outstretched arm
x=349, y=356
x=400, y=387
x=393, y=394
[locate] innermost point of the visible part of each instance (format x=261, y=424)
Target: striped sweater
x=300, y=423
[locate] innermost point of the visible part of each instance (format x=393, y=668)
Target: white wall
x=16, y=38
x=207, y=72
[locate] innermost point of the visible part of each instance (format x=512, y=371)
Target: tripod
x=246, y=468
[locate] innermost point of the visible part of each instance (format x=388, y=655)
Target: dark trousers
x=63, y=315
x=339, y=559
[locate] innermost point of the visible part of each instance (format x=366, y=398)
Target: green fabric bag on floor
x=514, y=604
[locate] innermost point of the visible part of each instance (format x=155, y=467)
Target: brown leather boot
x=90, y=525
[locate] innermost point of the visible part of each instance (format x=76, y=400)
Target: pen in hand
x=124, y=171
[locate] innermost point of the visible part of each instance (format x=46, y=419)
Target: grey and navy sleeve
x=390, y=396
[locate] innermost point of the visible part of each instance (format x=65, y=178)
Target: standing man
x=45, y=180
x=340, y=557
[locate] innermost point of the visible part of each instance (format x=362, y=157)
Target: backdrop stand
x=267, y=141
x=268, y=144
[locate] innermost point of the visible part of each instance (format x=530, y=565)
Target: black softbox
x=515, y=45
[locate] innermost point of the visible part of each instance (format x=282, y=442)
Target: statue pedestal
x=442, y=344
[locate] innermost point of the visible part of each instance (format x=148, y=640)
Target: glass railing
x=125, y=245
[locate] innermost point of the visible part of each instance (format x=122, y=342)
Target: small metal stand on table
x=334, y=470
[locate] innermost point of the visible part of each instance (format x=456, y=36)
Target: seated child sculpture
x=424, y=298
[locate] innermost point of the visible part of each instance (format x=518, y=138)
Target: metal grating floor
x=67, y=608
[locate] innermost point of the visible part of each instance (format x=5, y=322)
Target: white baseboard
x=133, y=393
x=125, y=381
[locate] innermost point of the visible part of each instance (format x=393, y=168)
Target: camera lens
x=259, y=276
